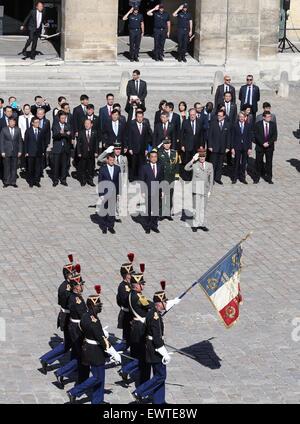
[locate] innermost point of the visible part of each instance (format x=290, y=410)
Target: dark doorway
x=145, y=5
x=15, y=12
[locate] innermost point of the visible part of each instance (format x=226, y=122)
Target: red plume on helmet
x=78, y=268
x=130, y=257
x=163, y=285
x=98, y=289
x=71, y=260
x=142, y=268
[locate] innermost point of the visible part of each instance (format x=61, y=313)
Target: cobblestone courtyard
x=255, y=361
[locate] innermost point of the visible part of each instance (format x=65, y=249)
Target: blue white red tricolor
x=222, y=286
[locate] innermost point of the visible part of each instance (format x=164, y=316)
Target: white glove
x=114, y=354
x=106, y=333
x=171, y=303
x=110, y=149
x=196, y=157
x=165, y=354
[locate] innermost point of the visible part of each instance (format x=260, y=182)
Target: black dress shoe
x=179, y=59
x=30, y=185
x=234, y=181
x=156, y=59
x=38, y=185
x=147, y=231
x=255, y=181
x=123, y=375
x=169, y=218
x=83, y=184
x=32, y=57
x=112, y=231
x=64, y=183
x=91, y=183
x=104, y=231
x=219, y=182
x=137, y=397
x=14, y=186
x=155, y=230
x=44, y=367
x=194, y=229
x=5, y=185
x=71, y=398
x=55, y=184
x=136, y=59
x=205, y=229
x=184, y=59
x=270, y=182
x=244, y=182
x=131, y=60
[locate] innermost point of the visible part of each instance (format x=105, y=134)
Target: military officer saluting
x=162, y=29
x=136, y=31
x=124, y=317
x=94, y=349
x=64, y=292
x=184, y=31
x=139, y=306
x=156, y=353
x=202, y=185
x=169, y=159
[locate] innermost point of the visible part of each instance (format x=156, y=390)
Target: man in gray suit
x=11, y=150
x=202, y=185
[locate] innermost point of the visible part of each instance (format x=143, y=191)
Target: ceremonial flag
x=222, y=286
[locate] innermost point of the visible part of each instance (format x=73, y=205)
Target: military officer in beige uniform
x=202, y=185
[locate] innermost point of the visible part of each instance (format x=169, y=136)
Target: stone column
x=211, y=29
x=89, y=30
x=269, y=27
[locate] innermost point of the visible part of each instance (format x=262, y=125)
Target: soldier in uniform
x=136, y=31
x=169, y=159
x=139, y=306
x=185, y=30
x=77, y=307
x=202, y=185
x=162, y=29
x=156, y=353
x=64, y=292
x=94, y=350
x=124, y=317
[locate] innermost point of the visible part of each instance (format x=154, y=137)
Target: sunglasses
x=249, y=79
x=227, y=79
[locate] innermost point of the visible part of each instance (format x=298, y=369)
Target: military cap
x=118, y=145
x=137, y=278
x=126, y=268
x=202, y=152
x=76, y=278
x=94, y=299
x=153, y=151
x=185, y=5
x=167, y=141
x=160, y=296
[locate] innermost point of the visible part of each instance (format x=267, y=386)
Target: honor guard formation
x=88, y=349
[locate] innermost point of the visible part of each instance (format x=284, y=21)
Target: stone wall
x=89, y=30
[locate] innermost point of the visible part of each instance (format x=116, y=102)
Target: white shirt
x=12, y=132
x=111, y=171
x=170, y=116
x=194, y=124
x=226, y=88
x=36, y=131
x=154, y=168
x=227, y=107
x=23, y=124
x=115, y=125
x=62, y=126
x=166, y=126
x=109, y=108
x=250, y=87
x=140, y=126
x=88, y=133
x=39, y=16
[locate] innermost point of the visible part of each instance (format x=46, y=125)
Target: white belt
x=76, y=321
x=124, y=309
x=142, y=320
x=65, y=311
x=91, y=342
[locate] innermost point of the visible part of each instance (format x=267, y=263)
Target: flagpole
x=211, y=269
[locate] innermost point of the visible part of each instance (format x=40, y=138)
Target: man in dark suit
x=34, y=22
x=164, y=130
x=45, y=126
x=62, y=137
x=65, y=107
x=225, y=88
x=79, y=113
x=174, y=119
x=137, y=87
x=250, y=94
x=40, y=103
x=107, y=211
x=114, y=131
x=230, y=108
x=219, y=143
x=34, y=151
x=105, y=112
x=139, y=137
x=88, y=151
x=241, y=147
x=265, y=139
x=4, y=121
x=191, y=138
x=10, y=150
x=152, y=174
